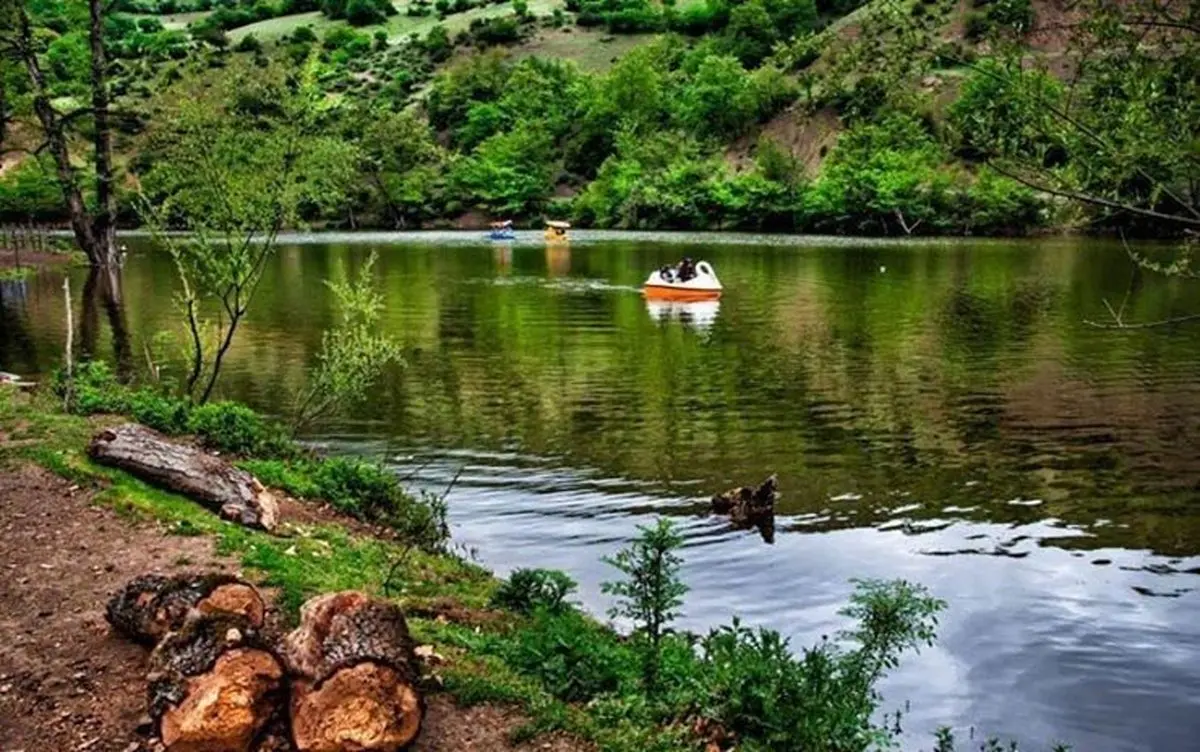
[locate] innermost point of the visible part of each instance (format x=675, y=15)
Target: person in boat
x=687, y=269
x=667, y=272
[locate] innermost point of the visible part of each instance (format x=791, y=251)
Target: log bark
x=355, y=675
x=149, y=607
x=218, y=485
x=214, y=686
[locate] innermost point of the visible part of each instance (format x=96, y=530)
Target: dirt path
x=66, y=683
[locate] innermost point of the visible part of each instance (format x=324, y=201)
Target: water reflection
x=700, y=314
x=503, y=251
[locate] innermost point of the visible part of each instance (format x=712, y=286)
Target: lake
x=934, y=410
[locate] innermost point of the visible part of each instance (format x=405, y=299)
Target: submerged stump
x=354, y=676
x=750, y=507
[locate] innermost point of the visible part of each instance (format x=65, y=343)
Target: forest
x=893, y=117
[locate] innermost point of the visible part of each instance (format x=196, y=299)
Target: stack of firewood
x=221, y=681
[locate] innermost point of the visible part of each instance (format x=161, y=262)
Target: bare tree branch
x=1094, y=200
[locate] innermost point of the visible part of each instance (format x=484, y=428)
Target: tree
x=652, y=591
x=94, y=227
x=511, y=172
x=233, y=165
x=403, y=161
x=718, y=100
x=353, y=354
x=1116, y=135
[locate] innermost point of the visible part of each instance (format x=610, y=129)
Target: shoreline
x=490, y=652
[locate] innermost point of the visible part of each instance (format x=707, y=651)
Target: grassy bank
x=521, y=641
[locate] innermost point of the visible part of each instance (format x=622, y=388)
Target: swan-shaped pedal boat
x=703, y=286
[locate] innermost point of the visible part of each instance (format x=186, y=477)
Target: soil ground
x=67, y=682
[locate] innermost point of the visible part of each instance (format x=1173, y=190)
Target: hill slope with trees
x=892, y=117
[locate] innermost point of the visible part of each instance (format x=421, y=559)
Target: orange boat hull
x=659, y=292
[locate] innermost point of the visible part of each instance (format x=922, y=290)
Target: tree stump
x=214, y=685
x=355, y=676
x=229, y=491
x=748, y=507
x=150, y=606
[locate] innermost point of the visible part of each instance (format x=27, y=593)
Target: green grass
x=582, y=46
x=314, y=560
x=177, y=20
x=397, y=27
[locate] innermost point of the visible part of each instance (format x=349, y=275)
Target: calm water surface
x=938, y=411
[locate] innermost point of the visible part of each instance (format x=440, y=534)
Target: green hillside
x=889, y=117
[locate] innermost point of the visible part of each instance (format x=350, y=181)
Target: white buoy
x=882, y=269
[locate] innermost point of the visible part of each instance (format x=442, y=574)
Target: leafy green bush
x=369, y=491
x=295, y=477
x=304, y=35
x=621, y=16
x=651, y=591
x=92, y=388
x=825, y=698
x=529, y=590
x=165, y=414
x=248, y=43
x=574, y=658
x=358, y=12
x=495, y=30
x=233, y=427
x=361, y=489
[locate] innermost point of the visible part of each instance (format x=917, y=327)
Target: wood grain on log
x=214, y=685
x=231, y=492
x=355, y=676
x=149, y=607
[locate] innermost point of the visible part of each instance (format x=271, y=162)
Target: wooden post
x=70, y=344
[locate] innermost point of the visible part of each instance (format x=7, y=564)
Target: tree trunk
x=149, y=607
x=3, y=110
x=104, y=228
x=95, y=236
x=215, y=684
x=103, y=288
x=223, y=488
x=355, y=676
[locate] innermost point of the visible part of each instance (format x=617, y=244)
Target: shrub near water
x=574, y=658
x=361, y=489
x=735, y=684
x=233, y=427
x=529, y=590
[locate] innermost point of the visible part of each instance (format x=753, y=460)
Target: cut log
x=214, y=685
x=355, y=676
x=218, y=485
x=149, y=607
